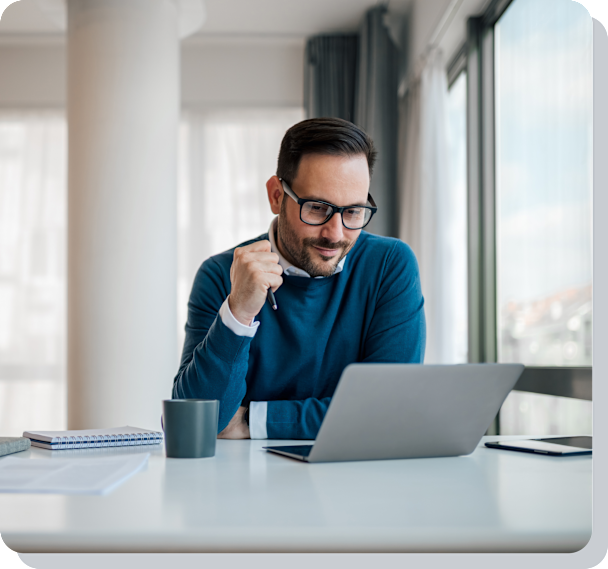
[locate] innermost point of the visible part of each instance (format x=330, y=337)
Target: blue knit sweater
x=372, y=311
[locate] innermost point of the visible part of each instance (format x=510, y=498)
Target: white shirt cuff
x=257, y=419
x=233, y=324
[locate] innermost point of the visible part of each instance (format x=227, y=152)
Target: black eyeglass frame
x=334, y=208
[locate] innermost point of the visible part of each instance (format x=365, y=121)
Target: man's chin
x=326, y=267
x=323, y=272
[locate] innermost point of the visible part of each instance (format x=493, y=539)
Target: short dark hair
x=333, y=136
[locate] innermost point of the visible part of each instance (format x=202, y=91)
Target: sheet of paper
x=65, y=476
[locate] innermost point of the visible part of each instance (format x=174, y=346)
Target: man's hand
x=237, y=428
x=254, y=270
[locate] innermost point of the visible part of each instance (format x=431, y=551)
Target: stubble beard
x=300, y=251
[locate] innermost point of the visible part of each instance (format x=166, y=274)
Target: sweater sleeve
x=214, y=360
x=396, y=334
x=296, y=419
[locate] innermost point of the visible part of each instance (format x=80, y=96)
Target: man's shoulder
x=388, y=248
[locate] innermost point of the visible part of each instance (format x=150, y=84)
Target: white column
x=123, y=108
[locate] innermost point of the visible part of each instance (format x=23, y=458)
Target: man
x=343, y=295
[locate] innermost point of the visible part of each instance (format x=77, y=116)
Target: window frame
x=477, y=57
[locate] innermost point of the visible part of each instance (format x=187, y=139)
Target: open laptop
x=387, y=411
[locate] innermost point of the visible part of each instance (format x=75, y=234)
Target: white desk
x=247, y=500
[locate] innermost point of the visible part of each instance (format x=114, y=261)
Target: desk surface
x=248, y=500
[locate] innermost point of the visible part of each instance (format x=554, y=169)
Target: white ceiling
x=284, y=20
x=24, y=17
x=299, y=18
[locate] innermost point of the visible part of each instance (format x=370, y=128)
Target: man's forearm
x=295, y=419
x=217, y=370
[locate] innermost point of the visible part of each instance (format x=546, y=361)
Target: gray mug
x=190, y=427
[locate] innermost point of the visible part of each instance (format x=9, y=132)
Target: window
x=543, y=78
x=529, y=64
x=544, y=183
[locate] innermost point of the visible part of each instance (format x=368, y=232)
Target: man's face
x=338, y=180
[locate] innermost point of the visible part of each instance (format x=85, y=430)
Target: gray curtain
x=376, y=112
x=330, y=76
x=356, y=77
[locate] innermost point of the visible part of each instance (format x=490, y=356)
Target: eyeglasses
x=315, y=212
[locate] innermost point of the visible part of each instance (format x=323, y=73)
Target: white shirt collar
x=289, y=269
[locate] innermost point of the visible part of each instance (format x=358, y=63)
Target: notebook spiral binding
x=98, y=441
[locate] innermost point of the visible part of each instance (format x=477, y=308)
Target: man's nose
x=333, y=230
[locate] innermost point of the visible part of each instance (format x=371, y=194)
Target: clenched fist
x=254, y=270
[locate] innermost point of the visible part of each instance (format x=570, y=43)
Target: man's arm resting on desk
x=295, y=419
x=288, y=419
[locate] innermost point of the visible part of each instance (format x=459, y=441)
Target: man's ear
x=275, y=194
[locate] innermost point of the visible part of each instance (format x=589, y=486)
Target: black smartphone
x=557, y=446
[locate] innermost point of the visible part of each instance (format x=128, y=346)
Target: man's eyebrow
x=316, y=199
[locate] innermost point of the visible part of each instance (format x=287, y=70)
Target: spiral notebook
x=93, y=438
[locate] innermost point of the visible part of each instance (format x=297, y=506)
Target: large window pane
x=543, y=181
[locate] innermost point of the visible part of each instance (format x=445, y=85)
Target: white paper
x=65, y=476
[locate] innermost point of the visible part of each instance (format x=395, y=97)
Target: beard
x=301, y=250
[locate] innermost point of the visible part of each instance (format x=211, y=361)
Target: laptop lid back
x=382, y=411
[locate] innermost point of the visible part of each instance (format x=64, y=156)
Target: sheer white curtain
x=32, y=271
x=428, y=218
x=226, y=157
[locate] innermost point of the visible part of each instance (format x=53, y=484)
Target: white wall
x=241, y=72
x=255, y=72
x=32, y=75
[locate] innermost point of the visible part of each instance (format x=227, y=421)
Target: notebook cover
x=10, y=445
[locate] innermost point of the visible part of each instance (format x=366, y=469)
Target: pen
x=271, y=299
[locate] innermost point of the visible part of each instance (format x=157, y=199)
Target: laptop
x=389, y=411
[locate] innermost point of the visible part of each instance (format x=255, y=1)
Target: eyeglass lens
x=316, y=213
